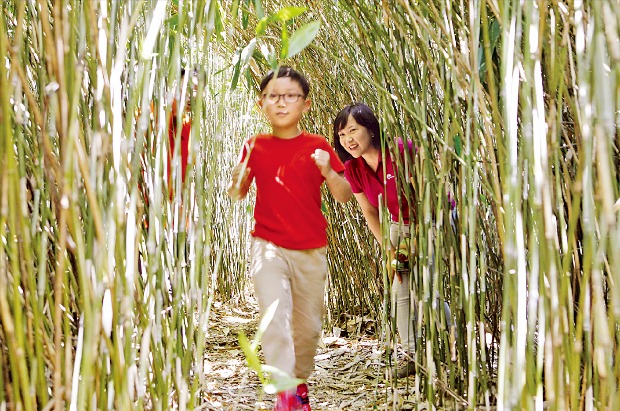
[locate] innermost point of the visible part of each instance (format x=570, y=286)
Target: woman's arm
x=371, y=214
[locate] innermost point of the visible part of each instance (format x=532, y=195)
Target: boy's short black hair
x=286, y=71
x=364, y=116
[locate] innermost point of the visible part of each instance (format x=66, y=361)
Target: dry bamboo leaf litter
x=349, y=373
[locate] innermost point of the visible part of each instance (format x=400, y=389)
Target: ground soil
x=350, y=373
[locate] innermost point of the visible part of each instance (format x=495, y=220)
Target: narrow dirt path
x=349, y=373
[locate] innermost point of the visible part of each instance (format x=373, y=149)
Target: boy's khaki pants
x=297, y=279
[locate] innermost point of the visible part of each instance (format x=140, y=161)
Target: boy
x=288, y=261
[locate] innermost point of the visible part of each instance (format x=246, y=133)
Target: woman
x=358, y=144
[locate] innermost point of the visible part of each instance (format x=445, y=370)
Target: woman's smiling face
x=355, y=138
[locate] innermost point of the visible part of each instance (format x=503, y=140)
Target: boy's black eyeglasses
x=289, y=98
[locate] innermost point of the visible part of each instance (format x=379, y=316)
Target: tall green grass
x=106, y=280
x=512, y=106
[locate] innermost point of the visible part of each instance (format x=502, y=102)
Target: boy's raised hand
x=322, y=161
x=239, y=184
x=338, y=185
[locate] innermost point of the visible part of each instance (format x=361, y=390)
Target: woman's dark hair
x=285, y=71
x=364, y=116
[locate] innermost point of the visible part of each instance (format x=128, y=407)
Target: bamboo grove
x=108, y=268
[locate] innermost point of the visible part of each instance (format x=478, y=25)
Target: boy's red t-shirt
x=288, y=189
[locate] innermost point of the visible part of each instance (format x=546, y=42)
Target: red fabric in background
x=172, y=135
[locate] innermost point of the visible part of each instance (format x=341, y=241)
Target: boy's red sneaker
x=288, y=401
x=302, y=394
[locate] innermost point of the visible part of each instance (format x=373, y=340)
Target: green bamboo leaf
x=494, y=33
x=262, y=24
x=289, y=13
x=281, y=382
x=245, y=14
x=270, y=55
x=234, y=9
x=173, y=22
x=217, y=21
x=250, y=354
x=285, y=14
x=259, y=57
x=245, y=18
x=241, y=61
x=236, y=71
x=273, y=61
x=264, y=322
x=247, y=52
x=458, y=145
x=324, y=208
x=259, y=9
x=250, y=80
x=496, y=30
x=284, y=42
x=302, y=37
